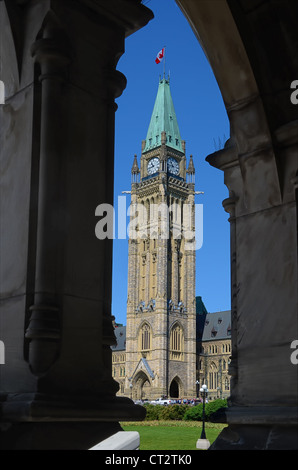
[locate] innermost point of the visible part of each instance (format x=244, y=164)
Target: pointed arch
x=145, y=339
x=176, y=341
x=141, y=386
x=176, y=388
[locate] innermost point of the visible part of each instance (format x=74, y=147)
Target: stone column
x=52, y=54
x=229, y=206
x=57, y=390
x=262, y=411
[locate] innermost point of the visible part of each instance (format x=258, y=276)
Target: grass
x=172, y=435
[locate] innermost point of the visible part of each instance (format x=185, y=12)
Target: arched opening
x=203, y=121
x=242, y=59
x=175, y=388
x=141, y=388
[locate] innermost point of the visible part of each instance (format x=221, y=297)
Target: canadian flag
x=160, y=56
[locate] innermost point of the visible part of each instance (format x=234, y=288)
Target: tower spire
x=163, y=119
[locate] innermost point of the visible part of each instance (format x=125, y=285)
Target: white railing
x=122, y=440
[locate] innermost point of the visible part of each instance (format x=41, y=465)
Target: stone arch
x=176, y=388
x=141, y=386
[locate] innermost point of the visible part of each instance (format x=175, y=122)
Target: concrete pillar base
x=259, y=428
x=257, y=438
x=39, y=422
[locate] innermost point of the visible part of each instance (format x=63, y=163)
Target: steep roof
x=163, y=119
x=212, y=326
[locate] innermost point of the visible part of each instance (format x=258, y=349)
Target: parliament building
x=170, y=345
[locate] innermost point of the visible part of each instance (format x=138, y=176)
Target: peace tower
x=161, y=305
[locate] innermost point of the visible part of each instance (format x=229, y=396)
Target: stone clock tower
x=161, y=313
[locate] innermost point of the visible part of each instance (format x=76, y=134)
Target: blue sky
x=203, y=124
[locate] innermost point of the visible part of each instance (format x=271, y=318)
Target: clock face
x=153, y=166
x=173, y=166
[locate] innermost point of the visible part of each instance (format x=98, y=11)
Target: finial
x=135, y=166
x=191, y=167
x=190, y=172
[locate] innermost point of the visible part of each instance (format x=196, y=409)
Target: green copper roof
x=163, y=119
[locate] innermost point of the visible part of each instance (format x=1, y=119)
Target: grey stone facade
x=213, y=352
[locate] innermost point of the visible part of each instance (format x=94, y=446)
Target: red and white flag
x=160, y=56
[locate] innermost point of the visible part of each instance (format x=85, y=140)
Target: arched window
x=145, y=340
x=213, y=377
x=176, y=343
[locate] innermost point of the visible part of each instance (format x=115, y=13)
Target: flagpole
x=164, y=63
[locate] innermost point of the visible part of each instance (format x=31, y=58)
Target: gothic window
x=176, y=343
x=213, y=377
x=145, y=339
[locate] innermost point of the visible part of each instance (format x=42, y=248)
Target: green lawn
x=172, y=435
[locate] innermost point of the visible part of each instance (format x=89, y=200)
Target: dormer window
x=213, y=332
